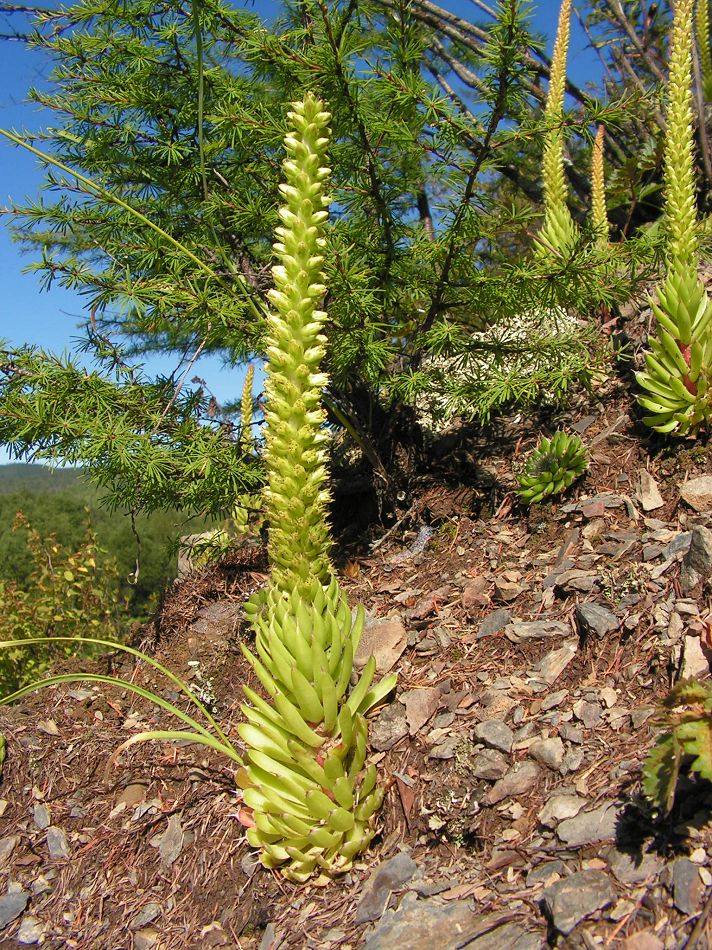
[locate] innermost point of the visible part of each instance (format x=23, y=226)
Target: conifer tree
x=181, y=118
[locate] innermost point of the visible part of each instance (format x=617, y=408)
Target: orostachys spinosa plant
x=309, y=795
x=678, y=366
x=559, y=232
x=552, y=467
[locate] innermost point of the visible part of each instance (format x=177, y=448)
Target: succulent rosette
x=554, y=465
x=677, y=378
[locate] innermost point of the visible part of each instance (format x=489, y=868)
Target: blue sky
x=52, y=319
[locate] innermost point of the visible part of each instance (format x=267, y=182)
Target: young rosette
x=310, y=799
x=678, y=366
x=554, y=465
x=308, y=795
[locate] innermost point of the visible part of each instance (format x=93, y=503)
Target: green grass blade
x=113, y=645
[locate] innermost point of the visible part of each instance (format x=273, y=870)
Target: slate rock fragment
x=587, y=827
x=686, y=886
x=595, y=620
x=494, y=622
x=568, y=901
x=697, y=492
x=390, y=727
x=427, y=924
x=31, y=931
x=495, y=734
x=520, y=779
x=376, y=892
x=549, y=752
x=632, y=868
x=489, y=764
x=697, y=563
x=57, y=843
x=12, y=905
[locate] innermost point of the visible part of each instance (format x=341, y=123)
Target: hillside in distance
x=62, y=503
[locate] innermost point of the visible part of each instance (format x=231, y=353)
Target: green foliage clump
x=554, y=465
x=678, y=367
x=66, y=595
x=686, y=740
x=310, y=797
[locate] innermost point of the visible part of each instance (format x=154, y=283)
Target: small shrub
x=686, y=740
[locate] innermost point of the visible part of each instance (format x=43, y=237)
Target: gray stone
x=686, y=886
x=146, y=915
x=507, y=591
x=568, y=901
x=583, y=582
x=494, y=622
x=519, y=780
x=41, y=816
x=647, y=492
x=571, y=733
x=536, y=630
x=546, y=873
x=31, y=930
x=643, y=940
x=697, y=492
x=632, y=869
x=377, y=890
x=147, y=939
x=269, y=937
x=424, y=924
x=572, y=760
x=680, y=544
x=594, y=620
x=390, y=727
x=171, y=841
x=495, y=734
x=57, y=844
x=590, y=826
x=552, y=665
x=12, y=905
x=589, y=714
x=510, y=935
x=697, y=563
x=549, y=752
x=694, y=661
x=446, y=748
x=554, y=699
x=559, y=806
x=7, y=846
x=490, y=765
x=41, y=885
x=641, y=715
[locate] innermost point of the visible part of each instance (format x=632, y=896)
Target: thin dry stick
x=181, y=382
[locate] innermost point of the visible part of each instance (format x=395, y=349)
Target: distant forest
x=61, y=502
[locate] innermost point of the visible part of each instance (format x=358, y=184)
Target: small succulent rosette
x=554, y=465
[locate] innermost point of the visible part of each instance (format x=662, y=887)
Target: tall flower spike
x=247, y=440
x=678, y=367
x=599, y=214
x=559, y=232
x=297, y=497
x=309, y=795
x=679, y=163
